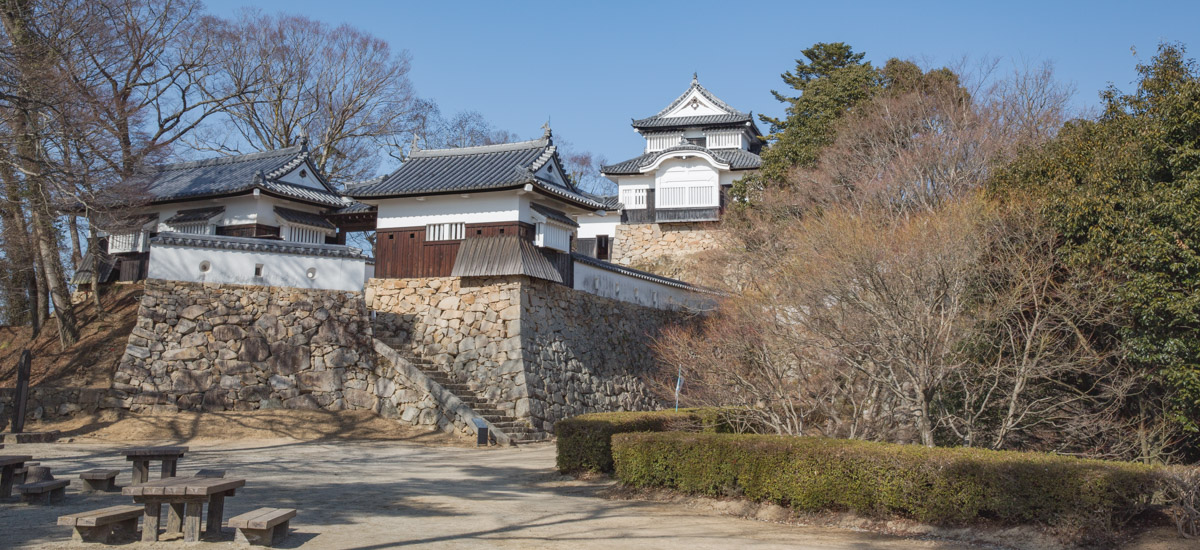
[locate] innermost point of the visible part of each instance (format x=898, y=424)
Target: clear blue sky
x=592, y=66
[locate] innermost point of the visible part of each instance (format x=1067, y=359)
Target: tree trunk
x=60, y=296
x=76, y=253
x=41, y=293
x=924, y=425
x=17, y=249
x=31, y=65
x=93, y=247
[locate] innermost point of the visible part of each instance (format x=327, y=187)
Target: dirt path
x=369, y=495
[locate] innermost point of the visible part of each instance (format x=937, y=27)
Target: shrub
x=584, y=441
x=1085, y=500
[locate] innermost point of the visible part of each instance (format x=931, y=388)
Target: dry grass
x=89, y=363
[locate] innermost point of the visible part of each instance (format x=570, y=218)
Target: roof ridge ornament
x=304, y=140
x=695, y=77
x=546, y=133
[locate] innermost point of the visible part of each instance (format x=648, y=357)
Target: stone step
x=512, y=425
x=518, y=431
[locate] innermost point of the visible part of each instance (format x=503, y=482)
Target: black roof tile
x=195, y=215
x=252, y=244
x=737, y=159
x=303, y=218
x=236, y=174
x=469, y=169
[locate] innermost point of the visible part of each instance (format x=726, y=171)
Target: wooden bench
x=43, y=492
x=20, y=473
x=99, y=480
x=112, y=524
x=264, y=526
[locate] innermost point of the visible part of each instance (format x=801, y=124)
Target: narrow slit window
x=445, y=231
x=258, y=270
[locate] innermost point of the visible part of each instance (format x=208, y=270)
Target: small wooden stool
x=264, y=526
x=110, y=524
x=43, y=492
x=99, y=481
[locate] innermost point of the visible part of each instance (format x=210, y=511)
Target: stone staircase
x=518, y=431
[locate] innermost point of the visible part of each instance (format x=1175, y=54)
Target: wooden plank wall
x=403, y=252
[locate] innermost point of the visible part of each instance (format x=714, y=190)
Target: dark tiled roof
x=468, y=169
x=354, y=207
x=303, y=218
x=123, y=224
x=553, y=214
x=236, y=174
x=303, y=192
x=607, y=202
x=506, y=255
x=687, y=121
x=737, y=159
x=659, y=120
x=250, y=244
x=195, y=215
x=89, y=267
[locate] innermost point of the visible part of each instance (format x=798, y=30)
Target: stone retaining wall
x=217, y=346
x=50, y=403
x=584, y=353
x=539, y=350
x=646, y=243
x=470, y=328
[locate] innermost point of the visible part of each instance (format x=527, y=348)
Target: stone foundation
x=216, y=347
x=49, y=403
x=469, y=328
x=230, y=347
x=646, y=243
x=539, y=350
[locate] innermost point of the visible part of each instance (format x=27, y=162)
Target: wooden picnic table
x=184, y=497
x=8, y=466
x=141, y=457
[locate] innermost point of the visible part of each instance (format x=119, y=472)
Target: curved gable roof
x=731, y=116
x=470, y=169
x=737, y=159
x=237, y=174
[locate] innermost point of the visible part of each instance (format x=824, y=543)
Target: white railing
x=305, y=235
x=725, y=141
x=202, y=228
x=552, y=236
x=661, y=141
x=127, y=242
x=686, y=196
x=633, y=199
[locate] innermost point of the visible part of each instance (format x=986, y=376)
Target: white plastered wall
x=494, y=207
x=618, y=286
x=592, y=225
x=182, y=263
x=703, y=107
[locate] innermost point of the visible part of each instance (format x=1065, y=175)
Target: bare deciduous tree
x=343, y=89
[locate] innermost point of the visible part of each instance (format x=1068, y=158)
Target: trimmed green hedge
x=583, y=442
x=934, y=485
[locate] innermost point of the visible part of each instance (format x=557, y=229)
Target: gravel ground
x=368, y=495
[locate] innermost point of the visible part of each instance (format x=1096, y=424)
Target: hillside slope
x=89, y=363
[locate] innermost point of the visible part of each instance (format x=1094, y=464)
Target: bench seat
x=104, y=525
x=43, y=492
x=19, y=474
x=99, y=480
x=264, y=526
